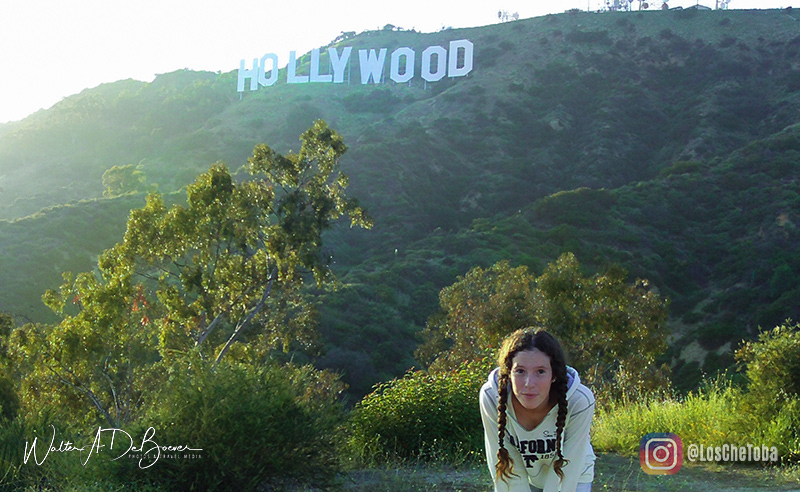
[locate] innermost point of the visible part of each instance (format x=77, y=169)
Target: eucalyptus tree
x=219, y=275
x=613, y=330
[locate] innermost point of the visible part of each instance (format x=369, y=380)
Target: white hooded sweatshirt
x=533, y=451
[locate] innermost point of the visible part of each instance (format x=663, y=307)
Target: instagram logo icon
x=661, y=453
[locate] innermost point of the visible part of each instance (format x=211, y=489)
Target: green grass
x=712, y=416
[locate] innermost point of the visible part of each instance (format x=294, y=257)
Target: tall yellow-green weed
x=712, y=416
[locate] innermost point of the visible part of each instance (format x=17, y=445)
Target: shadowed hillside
x=659, y=140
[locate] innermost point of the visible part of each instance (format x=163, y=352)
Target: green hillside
x=663, y=141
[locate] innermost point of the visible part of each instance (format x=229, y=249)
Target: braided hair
x=520, y=341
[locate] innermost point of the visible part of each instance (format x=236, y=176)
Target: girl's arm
x=576, y=442
x=517, y=483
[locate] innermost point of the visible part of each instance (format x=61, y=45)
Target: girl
x=536, y=418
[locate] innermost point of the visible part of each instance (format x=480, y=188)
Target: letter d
x=453, y=70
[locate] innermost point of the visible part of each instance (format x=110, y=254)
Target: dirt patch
x=621, y=473
x=612, y=473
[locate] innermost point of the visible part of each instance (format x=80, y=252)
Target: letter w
x=371, y=65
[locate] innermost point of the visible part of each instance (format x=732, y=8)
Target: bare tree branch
x=209, y=328
x=249, y=317
x=86, y=392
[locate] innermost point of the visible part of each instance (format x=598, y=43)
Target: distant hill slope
x=660, y=140
x=36, y=250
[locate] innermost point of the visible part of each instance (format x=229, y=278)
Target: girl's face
x=531, y=377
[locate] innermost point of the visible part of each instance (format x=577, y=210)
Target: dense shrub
x=681, y=167
x=254, y=424
x=773, y=377
x=423, y=415
x=9, y=402
x=590, y=37
x=773, y=366
x=580, y=207
x=42, y=469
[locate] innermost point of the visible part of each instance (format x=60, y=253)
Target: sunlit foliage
x=222, y=272
x=612, y=330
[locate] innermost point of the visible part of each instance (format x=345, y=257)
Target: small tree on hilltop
x=119, y=180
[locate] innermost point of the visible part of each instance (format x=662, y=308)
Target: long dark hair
x=520, y=341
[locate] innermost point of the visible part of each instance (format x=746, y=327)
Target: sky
x=51, y=49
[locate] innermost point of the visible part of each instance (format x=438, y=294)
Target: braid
x=561, y=391
x=504, y=466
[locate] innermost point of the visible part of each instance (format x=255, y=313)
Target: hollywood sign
x=436, y=63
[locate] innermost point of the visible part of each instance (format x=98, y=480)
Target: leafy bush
x=579, y=207
x=42, y=469
x=773, y=366
x=782, y=430
x=423, y=415
x=254, y=424
x=773, y=377
x=9, y=400
x=681, y=167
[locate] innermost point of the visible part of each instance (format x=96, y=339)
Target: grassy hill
x=663, y=141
